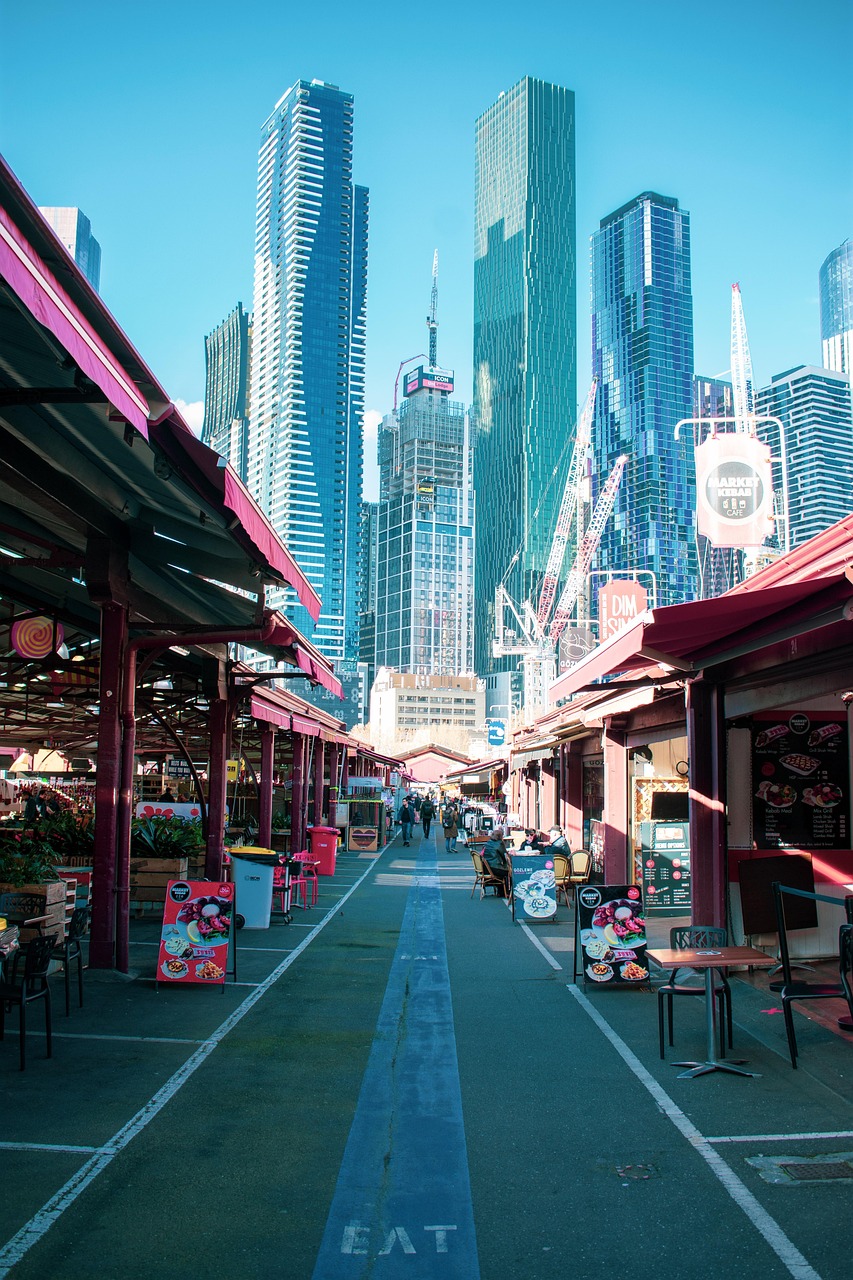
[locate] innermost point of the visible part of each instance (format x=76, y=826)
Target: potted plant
x=26, y=864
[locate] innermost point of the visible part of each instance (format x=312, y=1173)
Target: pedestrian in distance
x=427, y=815
x=416, y=803
x=167, y=796
x=451, y=829
x=32, y=808
x=405, y=818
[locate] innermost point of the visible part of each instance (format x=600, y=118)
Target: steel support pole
x=616, y=869
x=297, y=795
x=319, y=780
x=708, y=844
x=217, y=788
x=113, y=641
x=265, y=799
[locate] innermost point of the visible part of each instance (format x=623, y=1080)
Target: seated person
x=558, y=842
x=494, y=856
x=531, y=842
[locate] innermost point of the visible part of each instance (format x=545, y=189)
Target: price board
x=198, y=918
x=534, y=888
x=800, y=781
x=610, y=935
x=665, y=848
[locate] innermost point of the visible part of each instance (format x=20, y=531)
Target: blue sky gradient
x=148, y=117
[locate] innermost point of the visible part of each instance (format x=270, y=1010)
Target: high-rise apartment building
x=525, y=339
x=642, y=346
x=836, y=309
x=425, y=548
x=308, y=353
x=813, y=455
x=227, y=356
x=75, y=231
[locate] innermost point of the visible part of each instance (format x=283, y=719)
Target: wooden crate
x=53, y=891
x=149, y=878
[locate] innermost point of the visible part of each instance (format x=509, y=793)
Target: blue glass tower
x=226, y=388
x=642, y=343
x=307, y=386
x=525, y=339
x=836, y=309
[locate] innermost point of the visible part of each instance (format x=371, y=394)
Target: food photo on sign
x=198, y=917
x=612, y=935
x=800, y=781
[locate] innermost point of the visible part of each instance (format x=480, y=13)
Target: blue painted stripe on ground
x=402, y=1204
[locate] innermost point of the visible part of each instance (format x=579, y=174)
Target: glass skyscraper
x=642, y=345
x=227, y=353
x=836, y=309
x=425, y=564
x=75, y=231
x=525, y=338
x=308, y=354
x=813, y=460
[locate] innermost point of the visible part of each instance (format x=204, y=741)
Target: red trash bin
x=324, y=848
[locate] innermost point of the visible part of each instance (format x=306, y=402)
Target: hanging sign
x=611, y=930
x=620, y=602
x=198, y=918
x=734, y=490
x=800, y=781
x=36, y=637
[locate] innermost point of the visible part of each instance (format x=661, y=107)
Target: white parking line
x=784, y=1137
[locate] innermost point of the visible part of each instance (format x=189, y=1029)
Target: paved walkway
x=405, y=1084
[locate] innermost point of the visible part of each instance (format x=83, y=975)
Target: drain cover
x=814, y=1172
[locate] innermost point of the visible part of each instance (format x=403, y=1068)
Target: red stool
x=307, y=875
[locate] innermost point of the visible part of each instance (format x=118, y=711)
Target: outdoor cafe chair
x=32, y=986
x=24, y=909
x=308, y=875
x=71, y=949
x=696, y=937
x=562, y=872
x=484, y=877
x=580, y=863
x=790, y=989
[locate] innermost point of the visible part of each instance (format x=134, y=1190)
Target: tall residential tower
x=75, y=231
x=525, y=337
x=642, y=350
x=836, y=309
x=307, y=386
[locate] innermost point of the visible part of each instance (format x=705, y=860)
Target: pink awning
x=270, y=715
x=299, y=724
x=43, y=296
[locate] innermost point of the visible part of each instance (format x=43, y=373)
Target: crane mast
x=586, y=551
x=742, y=384
x=571, y=492
x=432, y=318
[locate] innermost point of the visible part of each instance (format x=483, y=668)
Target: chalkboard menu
x=666, y=866
x=610, y=942
x=534, y=887
x=800, y=794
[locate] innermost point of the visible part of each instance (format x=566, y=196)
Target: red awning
x=43, y=296
x=262, y=710
x=299, y=724
x=688, y=636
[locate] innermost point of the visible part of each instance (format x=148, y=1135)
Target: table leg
x=711, y=1063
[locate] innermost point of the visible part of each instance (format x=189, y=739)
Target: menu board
x=197, y=922
x=534, y=887
x=665, y=850
x=611, y=930
x=800, y=794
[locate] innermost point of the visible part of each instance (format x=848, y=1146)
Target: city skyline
x=718, y=139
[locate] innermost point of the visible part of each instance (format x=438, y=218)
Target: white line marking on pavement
x=540, y=946
x=787, y=1252
x=79, y=1035
x=785, y=1137
x=47, y=1146
x=41, y=1222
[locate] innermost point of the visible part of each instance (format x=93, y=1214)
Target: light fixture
x=57, y=706
x=162, y=684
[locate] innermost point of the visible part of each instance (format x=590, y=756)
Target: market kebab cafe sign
x=734, y=490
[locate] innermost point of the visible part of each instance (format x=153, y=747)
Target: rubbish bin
x=324, y=848
x=252, y=873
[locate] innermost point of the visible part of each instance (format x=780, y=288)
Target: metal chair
x=33, y=986
x=562, y=873
x=71, y=949
x=485, y=877
x=790, y=989
x=696, y=937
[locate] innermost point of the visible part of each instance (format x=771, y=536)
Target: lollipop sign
x=36, y=637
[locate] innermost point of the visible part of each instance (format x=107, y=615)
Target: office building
x=425, y=550
x=227, y=355
x=367, y=594
x=836, y=309
x=642, y=343
x=813, y=454
x=408, y=710
x=525, y=377
x=308, y=354
x=75, y=231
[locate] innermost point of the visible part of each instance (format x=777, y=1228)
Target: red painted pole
x=102, y=933
x=319, y=780
x=265, y=801
x=297, y=795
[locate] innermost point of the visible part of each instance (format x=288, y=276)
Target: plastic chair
x=696, y=937
x=308, y=873
x=789, y=989
x=33, y=986
x=298, y=879
x=71, y=949
x=24, y=909
x=562, y=872
x=485, y=877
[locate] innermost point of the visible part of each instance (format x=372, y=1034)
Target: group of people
x=43, y=802
x=422, y=809
x=494, y=852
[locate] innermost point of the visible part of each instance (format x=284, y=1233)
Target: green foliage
x=280, y=821
x=70, y=837
x=165, y=838
x=27, y=859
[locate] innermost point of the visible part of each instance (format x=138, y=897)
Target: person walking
x=427, y=815
x=406, y=817
x=451, y=829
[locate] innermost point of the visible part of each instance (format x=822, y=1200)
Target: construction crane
x=403, y=363
x=568, y=509
x=432, y=318
x=589, y=543
x=742, y=384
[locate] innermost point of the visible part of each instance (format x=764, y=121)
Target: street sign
x=496, y=732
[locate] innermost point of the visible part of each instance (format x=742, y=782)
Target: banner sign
x=800, y=778
x=534, y=888
x=198, y=917
x=611, y=930
x=734, y=490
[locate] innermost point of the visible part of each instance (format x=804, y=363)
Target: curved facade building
x=836, y=309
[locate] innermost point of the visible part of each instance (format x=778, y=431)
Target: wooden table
x=708, y=960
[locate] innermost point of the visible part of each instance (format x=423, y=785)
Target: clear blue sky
x=148, y=117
